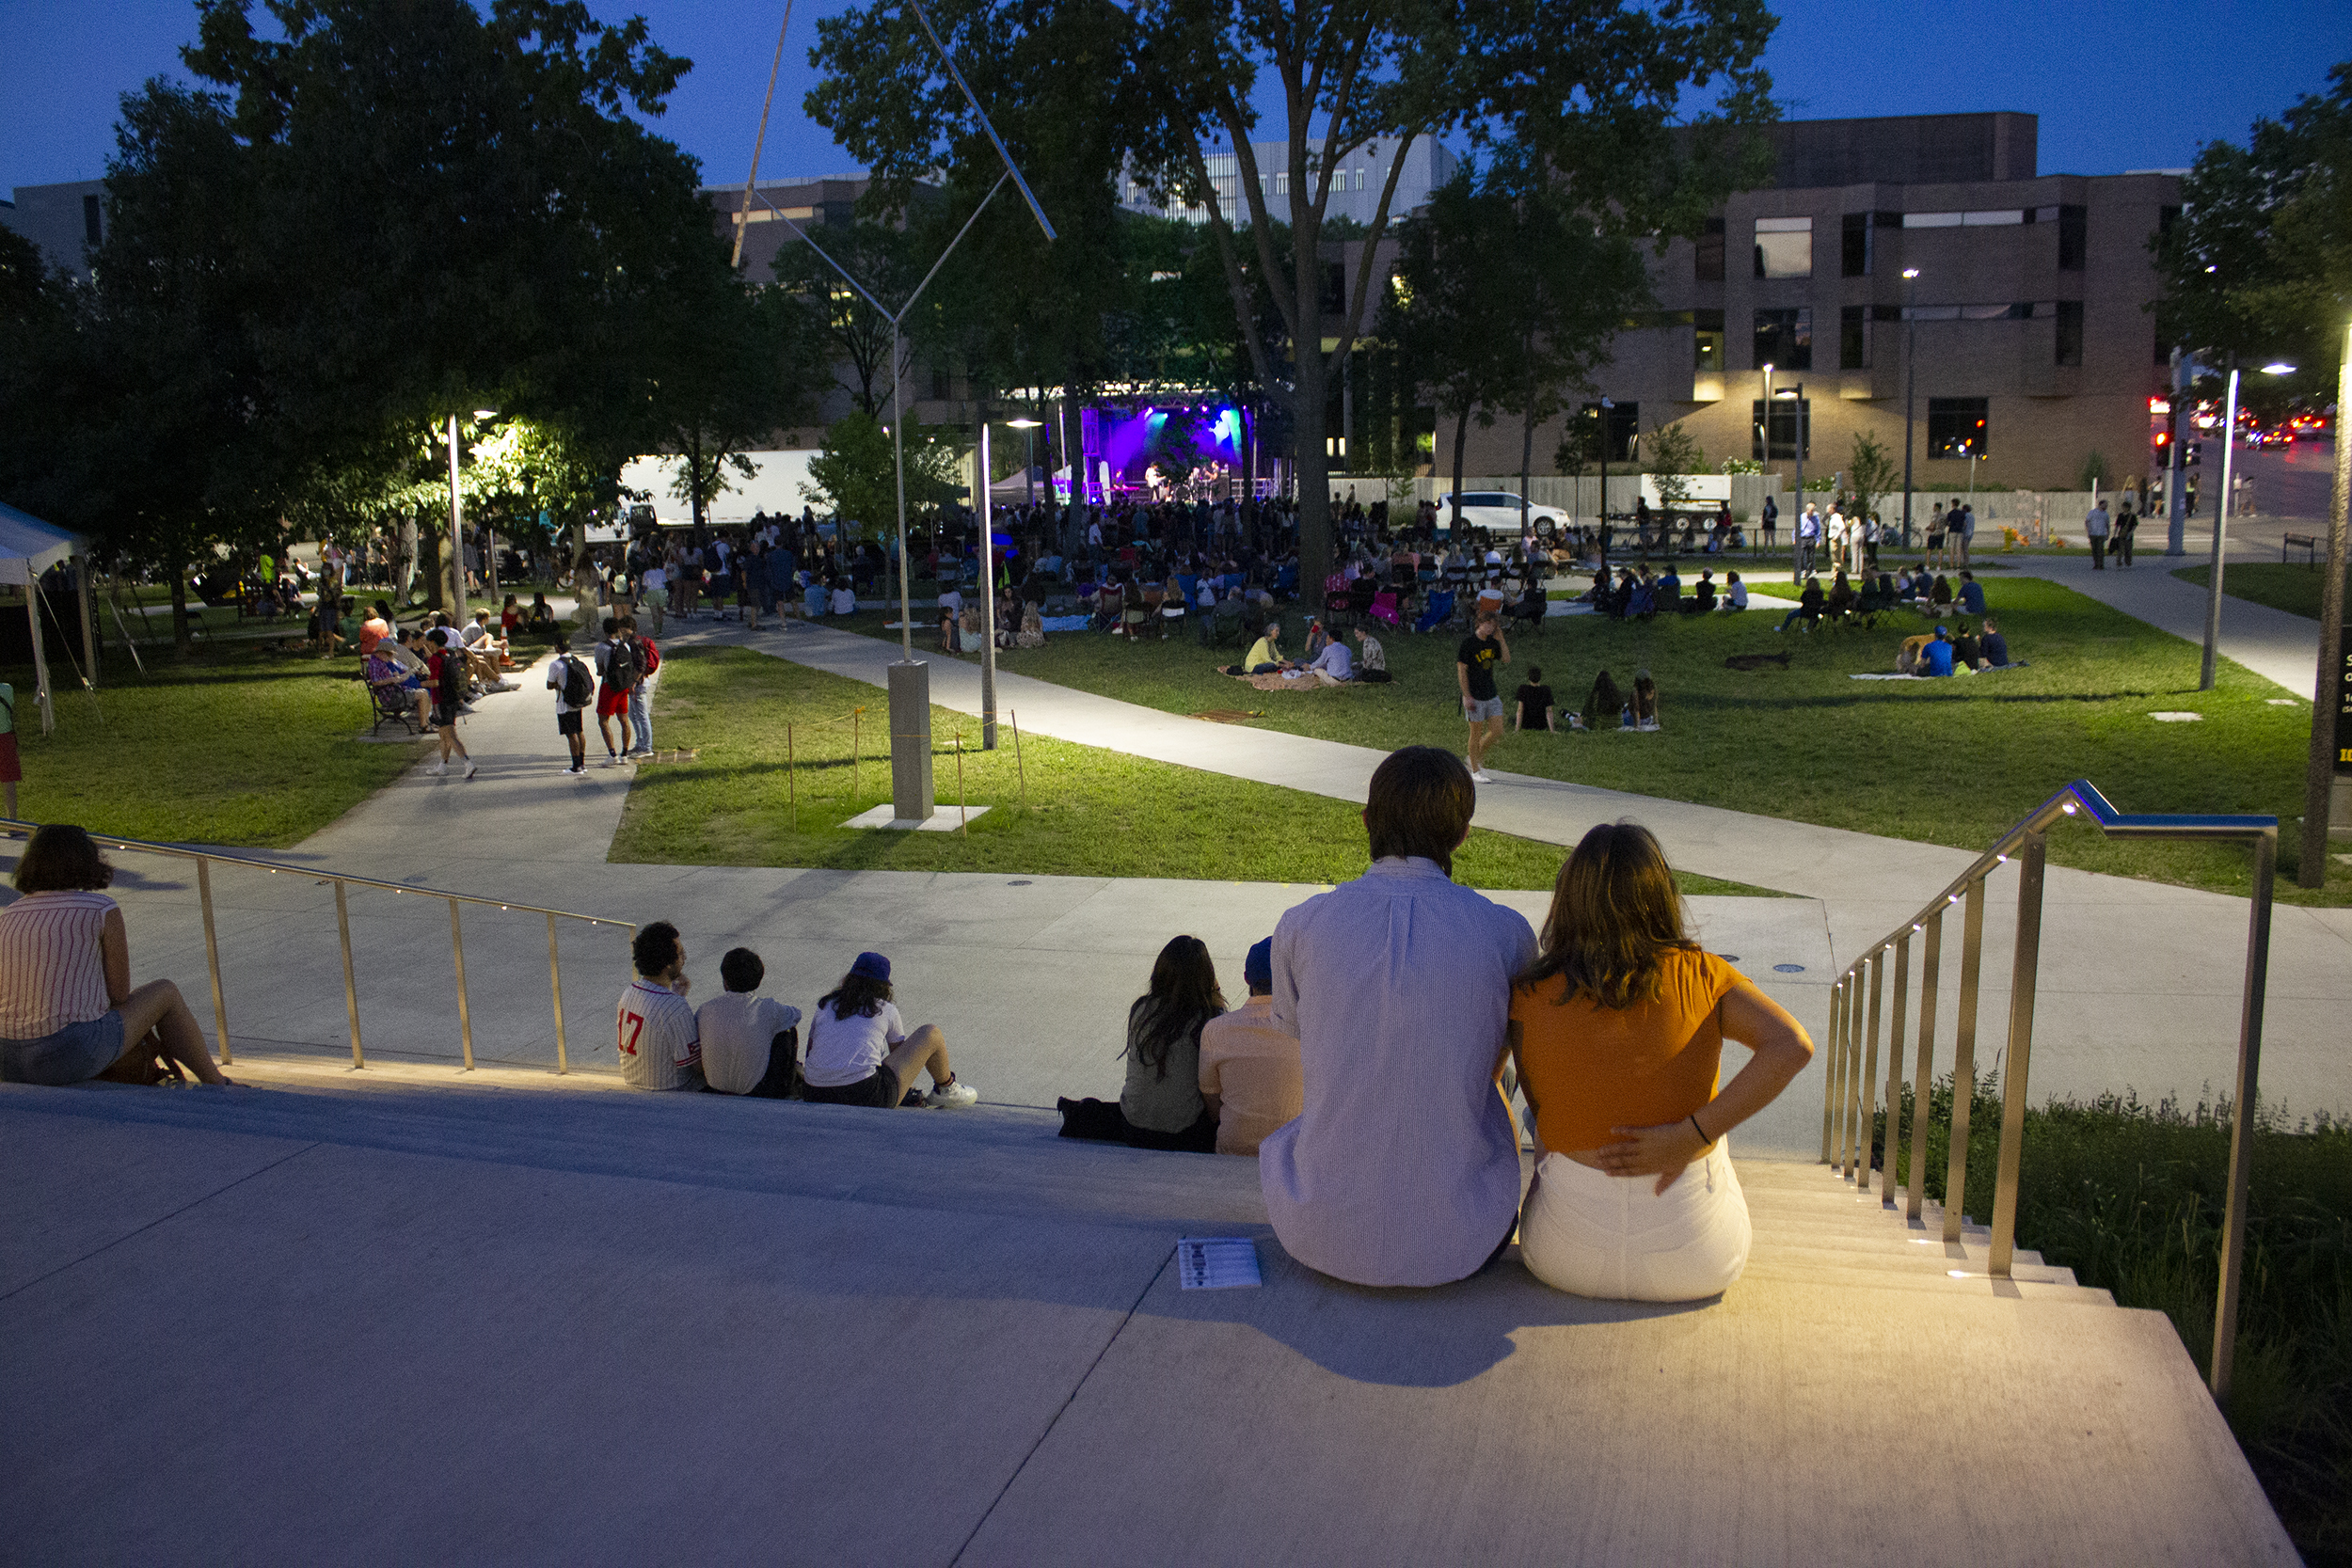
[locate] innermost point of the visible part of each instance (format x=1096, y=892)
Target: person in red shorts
x=617, y=669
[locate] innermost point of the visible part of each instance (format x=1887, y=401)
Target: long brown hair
x=61, y=859
x=1614, y=911
x=1184, y=997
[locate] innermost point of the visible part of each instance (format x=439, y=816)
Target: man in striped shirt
x=660, y=1046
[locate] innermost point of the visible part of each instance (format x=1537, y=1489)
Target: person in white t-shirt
x=660, y=1047
x=860, y=1052
x=749, y=1044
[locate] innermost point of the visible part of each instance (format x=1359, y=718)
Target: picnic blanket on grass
x=1889, y=675
x=1291, y=680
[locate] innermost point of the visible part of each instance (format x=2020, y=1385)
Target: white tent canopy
x=28, y=547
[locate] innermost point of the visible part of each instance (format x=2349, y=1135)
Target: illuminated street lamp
x=1029, y=457
x=457, y=525
x=2222, y=522
x=1910, y=383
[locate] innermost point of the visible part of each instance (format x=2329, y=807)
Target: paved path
x=2274, y=644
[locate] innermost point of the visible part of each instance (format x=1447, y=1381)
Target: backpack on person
x=622, y=667
x=649, y=657
x=579, y=683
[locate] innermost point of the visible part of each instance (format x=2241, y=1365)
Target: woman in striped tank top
x=68, y=1009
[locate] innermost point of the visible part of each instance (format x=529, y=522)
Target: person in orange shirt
x=1617, y=1032
x=1250, y=1074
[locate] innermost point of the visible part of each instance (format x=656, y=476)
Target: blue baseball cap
x=1258, y=969
x=872, y=965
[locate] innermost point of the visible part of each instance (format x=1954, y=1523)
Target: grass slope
x=247, y=746
x=1945, y=762
x=1092, y=813
x=2292, y=588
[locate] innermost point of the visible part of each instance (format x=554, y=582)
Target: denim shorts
x=1478, y=710
x=70, y=1056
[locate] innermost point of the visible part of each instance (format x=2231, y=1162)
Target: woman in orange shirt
x=1617, y=1031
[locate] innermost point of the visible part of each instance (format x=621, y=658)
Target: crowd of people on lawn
x=1370, y=1071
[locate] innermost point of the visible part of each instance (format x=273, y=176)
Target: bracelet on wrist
x=1693, y=1120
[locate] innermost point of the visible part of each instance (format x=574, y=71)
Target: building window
x=2070, y=332
x=1784, y=339
x=1956, y=427
x=2073, y=237
x=1781, y=422
x=1853, y=338
x=1281, y=184
x=1624, y=424
x=1707, y=260
x=1708, y=338
x=93, y=221
x=1784, y=247
x=1856, y=255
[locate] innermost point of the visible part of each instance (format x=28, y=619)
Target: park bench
x=392, y=704
x=2310, y=544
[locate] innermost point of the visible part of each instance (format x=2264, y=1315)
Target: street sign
x=2342, y=707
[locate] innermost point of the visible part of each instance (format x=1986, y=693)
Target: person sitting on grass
x=1265, y=655
x=1161, y=1106
x=1403, y=1166
x=660, y=1046
x=1317, y=639
x=542, y=616
x=749, y=1044
x=1250, y=1077
x=1641, y=714
x=1970, y=597
x=1333, y=664
x=1532, y=703
x=1965, y=649
x=1840, y=604
x=1372, y=661
x=67, y=1010
x=1735, y=592
x=1617, y=1032
x=1603, y=705
x=860, y=1052
x=1702, y=599
x=1993, y=652
x=1936, y=657
x=1939, y=596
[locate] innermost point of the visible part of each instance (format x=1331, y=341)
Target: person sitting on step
x=658, y=1045
x=1161, y=1106
x=1617, y=1030
x=1250, y=1077
x=749, y=1044
x=861, y=1053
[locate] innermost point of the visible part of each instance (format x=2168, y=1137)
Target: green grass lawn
x=2292, y=588
x=1092, y=813
x=1945, y=762
x=244, y=745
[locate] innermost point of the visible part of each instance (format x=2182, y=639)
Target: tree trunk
x=429, y=563
x=1526, y=459
x=182, y=637
x=1309, y=423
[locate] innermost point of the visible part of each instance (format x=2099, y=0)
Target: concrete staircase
x=405, y=1316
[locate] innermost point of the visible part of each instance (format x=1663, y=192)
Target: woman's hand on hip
x=1664, y=1149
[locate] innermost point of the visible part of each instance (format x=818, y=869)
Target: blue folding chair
x=1436, y=613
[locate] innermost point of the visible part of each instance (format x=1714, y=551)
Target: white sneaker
x=1478, y=776
x=438, y=768
x=952, y=1095
x=472, y=768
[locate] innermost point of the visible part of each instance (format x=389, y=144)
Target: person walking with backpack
x=575, y=687
x=447, y=664
x=618, y=671
x=646, y=658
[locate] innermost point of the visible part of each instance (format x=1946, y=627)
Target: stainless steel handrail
x=206, y=858
x=1849, y=1094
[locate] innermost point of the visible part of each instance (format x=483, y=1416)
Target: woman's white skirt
x=1595, y=1234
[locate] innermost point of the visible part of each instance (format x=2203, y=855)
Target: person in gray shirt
x=1161, y=1105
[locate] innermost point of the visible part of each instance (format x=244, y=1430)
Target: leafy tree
x=1875, y=474
x=853, y=332
x=854, y=471
x=1594, y=89
x=2259, y=263
x=1673, y=457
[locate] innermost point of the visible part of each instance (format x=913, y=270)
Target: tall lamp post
x=2221, y=523
x=1910, y=383
x=1796, y=394
x=1764, y=433
x=910, y=679
x=1028, y=429
x=2331, y=767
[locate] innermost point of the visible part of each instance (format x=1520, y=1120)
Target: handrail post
x=1964, y=1057
x=1923, y=1070
x=555, y=984
x=212, y=959
x=465, y=1015
x=350, y=986
x=2023, y=978
x=1895, y=1070
x=1849, y=1046
x=1829, y=1075
x=1868, y=1081
x=2243, y=1107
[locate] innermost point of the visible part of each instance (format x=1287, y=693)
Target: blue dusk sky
x=2117, y=85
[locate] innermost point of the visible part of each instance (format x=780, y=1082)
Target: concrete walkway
x=459, y=1325
x=2274, y=644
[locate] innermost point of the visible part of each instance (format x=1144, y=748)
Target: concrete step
x=1783, y=1253
x=1973, y=1287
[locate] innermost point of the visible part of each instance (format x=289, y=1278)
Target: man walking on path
x=1808, y=536
x=2095, y=530
x=575, y=687
x=1474, y=665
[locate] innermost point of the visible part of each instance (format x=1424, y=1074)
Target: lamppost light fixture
x=2278, y=367
x=485, y=413
x=1025, y=425
x=1910, y=272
